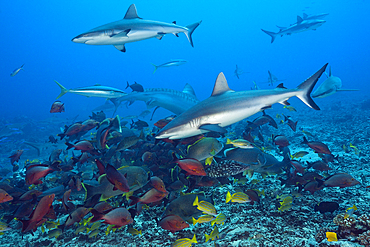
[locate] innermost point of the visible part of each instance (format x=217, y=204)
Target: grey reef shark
x=226, y=107
x=330, y=86
x=301, y=26
x=175, y=101
x=132, y=28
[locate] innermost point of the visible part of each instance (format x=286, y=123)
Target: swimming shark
x=132, y=28
x=330, y=86
x=301, y=26
x=226, y=107
x=272, y=78
x=172, y=100
x=92, y=91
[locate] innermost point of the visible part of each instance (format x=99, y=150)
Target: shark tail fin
x=272, y=34
x=116, y=103
x=190, y=31
x=155, y=68
x=305, y=88
x=62, y=89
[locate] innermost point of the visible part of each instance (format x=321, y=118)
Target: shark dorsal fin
x=305, y=16
x=188, y=89
x=221, y=85
x=299, y=19
x=281, y=86
x=131, y=12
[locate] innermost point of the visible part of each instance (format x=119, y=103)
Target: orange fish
x=89, y=124
x=158, y=184
x=340, y=180
x=192, y=166
x=84, y=146
x=71, y=130
x=37, y=216
x=57, y=106
x=117, y=179
x=319, y=147
x=117, y=217
x=35, y=172
x=15, y=157
x=76, y=216
x=4, y=196
x=150, y=196
x=173, y=223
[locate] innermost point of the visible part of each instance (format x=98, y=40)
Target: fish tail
x=207, y=237
x=272, y=34
x=62, y=89
x=134, y=200
x=89, y=191
x=190, y=31
x=194, y=239
x=155, y=68
x=304, y=140
x=69, y=145
x=97, y=215
x=194, y=221
x=306, y=87
x=228, y=197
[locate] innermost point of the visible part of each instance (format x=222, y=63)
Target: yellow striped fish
x=205, y=207
x=239, y=197
x=203, y=219
x=220, y=219
x=184, y=242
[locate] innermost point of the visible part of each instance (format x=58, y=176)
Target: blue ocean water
x=39, y=36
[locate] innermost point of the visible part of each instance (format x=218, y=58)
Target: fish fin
x=305, y=88
x=62, y=89
x=299, y=19
x=213, y=127
x=221, y=85
x=122, y=34
x=188, y=89
x=131, y=13
x=121, y=48
x=190, y=31
x=272, y=34
x=155, y=68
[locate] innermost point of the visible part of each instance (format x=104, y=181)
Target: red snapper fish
x=173, y=223
x=15, y=157
x=57, y=106
x=37, y=216
x=319, y=147
x=35, y=172
x=117, y=217
x=192, y=166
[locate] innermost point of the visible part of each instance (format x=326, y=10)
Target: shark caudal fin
x=272, y=34
x=155, y=68
x=62, y=89
x=305, y=88
x=190, y=31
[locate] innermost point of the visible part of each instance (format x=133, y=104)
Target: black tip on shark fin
x=307, y=86
x=281, y=85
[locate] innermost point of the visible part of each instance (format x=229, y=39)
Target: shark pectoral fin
x=285, y=102
x=121, y=48
x=149, y=103
x=160, y=35
x=122, y=34
x=213, y=127
x=266, y=107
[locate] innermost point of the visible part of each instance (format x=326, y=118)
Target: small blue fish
x=16, y=71
x=171, y=63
